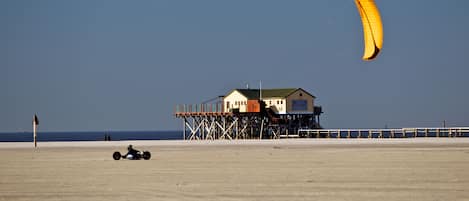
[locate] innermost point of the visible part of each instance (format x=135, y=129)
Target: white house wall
x=235, y=100
x=278, y=104
x=299, y=101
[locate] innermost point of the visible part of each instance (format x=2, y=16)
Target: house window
x=227, y=104
x=299, y=105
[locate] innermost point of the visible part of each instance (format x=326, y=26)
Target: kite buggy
x=132, y=154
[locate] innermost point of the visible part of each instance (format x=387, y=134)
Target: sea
x=178, y=135
x=90, y=136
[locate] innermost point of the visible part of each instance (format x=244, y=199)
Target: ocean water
x=91, y=136
x=178, y=135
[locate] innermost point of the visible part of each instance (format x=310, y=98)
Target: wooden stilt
x=262, y=129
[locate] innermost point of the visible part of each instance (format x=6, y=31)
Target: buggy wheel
x=146, y=155
x=117, y=155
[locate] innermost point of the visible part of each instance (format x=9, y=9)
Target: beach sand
x=421, y=169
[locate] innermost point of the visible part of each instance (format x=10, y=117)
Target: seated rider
x=132, y=153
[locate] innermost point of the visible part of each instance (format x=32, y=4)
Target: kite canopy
x=372, y=28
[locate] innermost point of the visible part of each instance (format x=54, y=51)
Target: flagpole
x=260, y=99
x=34, y=134
x=35, y=123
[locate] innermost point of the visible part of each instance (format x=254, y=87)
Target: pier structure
x=202, y=124
x=250, y=114
x=382, y=133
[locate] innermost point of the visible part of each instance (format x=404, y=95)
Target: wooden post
x=237, y=129
x=193, y=133
x=262, y=128
x=202, y=129
x=184, y=128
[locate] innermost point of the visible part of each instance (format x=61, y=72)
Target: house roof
x=268, y=93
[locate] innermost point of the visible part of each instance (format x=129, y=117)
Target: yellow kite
x=372, y=28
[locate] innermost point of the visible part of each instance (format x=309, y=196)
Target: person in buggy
x=131, y=153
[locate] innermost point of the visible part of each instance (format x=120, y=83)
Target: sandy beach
x=419, y=169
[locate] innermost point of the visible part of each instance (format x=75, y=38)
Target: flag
x=36, y=120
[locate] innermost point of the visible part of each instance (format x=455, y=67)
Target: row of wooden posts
x=383, y=133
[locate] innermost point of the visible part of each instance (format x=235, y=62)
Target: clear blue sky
x=123, y=65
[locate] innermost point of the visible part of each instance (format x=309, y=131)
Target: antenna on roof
x=260, y=90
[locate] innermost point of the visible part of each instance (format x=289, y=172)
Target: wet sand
x=305, y=169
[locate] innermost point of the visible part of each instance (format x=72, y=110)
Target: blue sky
x=124, y=65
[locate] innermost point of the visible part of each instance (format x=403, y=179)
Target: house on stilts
x=250, y=114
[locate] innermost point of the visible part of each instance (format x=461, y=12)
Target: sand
x=420, y=169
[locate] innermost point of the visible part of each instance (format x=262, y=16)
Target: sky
x=100, y=65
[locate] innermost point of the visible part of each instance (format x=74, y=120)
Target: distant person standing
x=107, y=137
